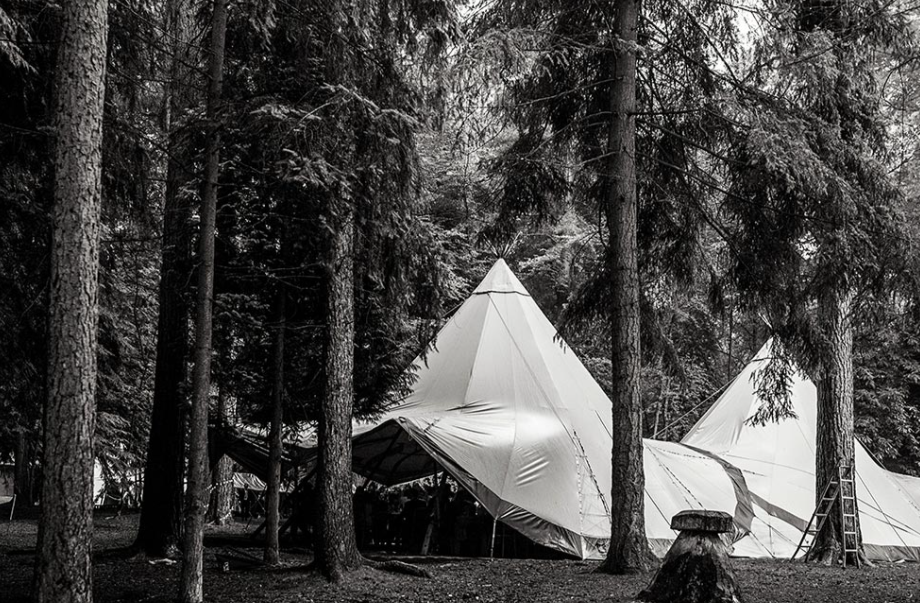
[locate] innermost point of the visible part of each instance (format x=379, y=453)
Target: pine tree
x=26, y=199
x=191, y=586
x=336, y=545
x=161, y=510
x=64, y=570
x=816, y=225
x=337, y=122
x=275, y=442
x=629, y=550
x=611, y=134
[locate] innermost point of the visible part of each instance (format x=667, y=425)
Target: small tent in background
x=778, y=464
x=8, y=485
x=99, y=498
x=7, y=479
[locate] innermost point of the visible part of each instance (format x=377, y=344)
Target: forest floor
x=124, y=579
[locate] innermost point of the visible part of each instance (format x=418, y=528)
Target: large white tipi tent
x=777, y=461
x=511, y=413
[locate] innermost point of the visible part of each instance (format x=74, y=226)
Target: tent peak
x=500, y=279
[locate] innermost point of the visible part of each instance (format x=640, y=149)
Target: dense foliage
x=765, y=171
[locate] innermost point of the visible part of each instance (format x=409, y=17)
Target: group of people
x=427, y=517
x=423, y=518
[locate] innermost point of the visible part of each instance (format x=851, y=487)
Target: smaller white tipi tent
x=777, y=461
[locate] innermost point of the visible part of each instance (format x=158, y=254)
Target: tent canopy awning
x=388, y=455
x=249, y=449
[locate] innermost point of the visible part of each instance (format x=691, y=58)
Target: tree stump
x=696, y=568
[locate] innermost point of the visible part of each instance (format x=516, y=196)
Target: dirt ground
x=230, y=580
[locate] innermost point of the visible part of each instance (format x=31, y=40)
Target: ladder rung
x=842, y=487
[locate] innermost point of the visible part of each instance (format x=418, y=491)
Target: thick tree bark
x=629, y=550
x=273, y=489
x=336, y=548
x=220, y=508
x=161, y=510
x=220, y=502
x=191, y=586
x=64, y=569
x=835, y=431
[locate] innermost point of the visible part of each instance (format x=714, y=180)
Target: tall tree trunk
x=64, y=569
x=629, y=550
x=220, y=507
x=273, y=489
x=191, y=587
x=835, y=435
x=336, y=548
x=161, y=510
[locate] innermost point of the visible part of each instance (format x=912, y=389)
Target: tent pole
x=492, y=547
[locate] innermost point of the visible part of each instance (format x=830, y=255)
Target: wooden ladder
x=842, y=489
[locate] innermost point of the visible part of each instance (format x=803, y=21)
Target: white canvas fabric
x=98, y=484
x=777, y=462
x=512, y=414
x=679, y=478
